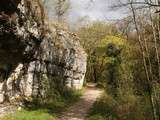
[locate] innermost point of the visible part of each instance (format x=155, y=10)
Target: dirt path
x=80, y=109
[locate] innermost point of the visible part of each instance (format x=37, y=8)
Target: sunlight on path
x=80, y=109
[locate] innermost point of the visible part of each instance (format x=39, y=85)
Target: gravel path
x=80, y=109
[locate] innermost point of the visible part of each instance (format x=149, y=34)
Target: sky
x=96, y=10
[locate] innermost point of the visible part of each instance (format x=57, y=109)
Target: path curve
x=80, y=109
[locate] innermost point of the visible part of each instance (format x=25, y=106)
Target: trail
x=79, y=110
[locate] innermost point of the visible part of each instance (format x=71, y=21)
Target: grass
x=30, y=115
x=46, y=111
x=96, y=117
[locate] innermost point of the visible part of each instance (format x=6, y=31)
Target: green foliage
x=128, y=107
x=105, y=50
x=90, y=37
x=53, y=86
x=57, y=103
x=55, y=90
x=104, y=106
x=113, y=64
x=118, y=73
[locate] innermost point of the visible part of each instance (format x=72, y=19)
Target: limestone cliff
x=36, y=56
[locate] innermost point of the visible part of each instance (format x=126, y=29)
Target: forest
x=99, y=59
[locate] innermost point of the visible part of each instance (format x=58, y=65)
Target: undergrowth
x=127, y=107
x=38, y=110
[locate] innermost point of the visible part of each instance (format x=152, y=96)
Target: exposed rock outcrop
x=34, y=55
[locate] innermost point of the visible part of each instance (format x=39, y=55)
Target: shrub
x=122, y=107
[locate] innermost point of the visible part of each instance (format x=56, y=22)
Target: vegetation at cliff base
x=37, y=110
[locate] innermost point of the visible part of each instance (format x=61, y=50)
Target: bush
x=104, y=106
x=124, y=107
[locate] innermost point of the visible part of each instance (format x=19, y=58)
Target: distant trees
x=60, y=8
x=139, y=3
x=90, y=36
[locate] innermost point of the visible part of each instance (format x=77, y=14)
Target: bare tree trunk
x=158, y=40
x=144, y=63
x=155, y=43
x=157, y=57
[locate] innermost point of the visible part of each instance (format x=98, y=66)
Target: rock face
x=36, y=56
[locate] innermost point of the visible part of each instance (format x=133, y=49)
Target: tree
x=57, y=9
x=147, y=49
x=61, y=8
x=90, y=35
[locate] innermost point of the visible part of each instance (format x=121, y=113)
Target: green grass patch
x=96, y=117
x=30, y=115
